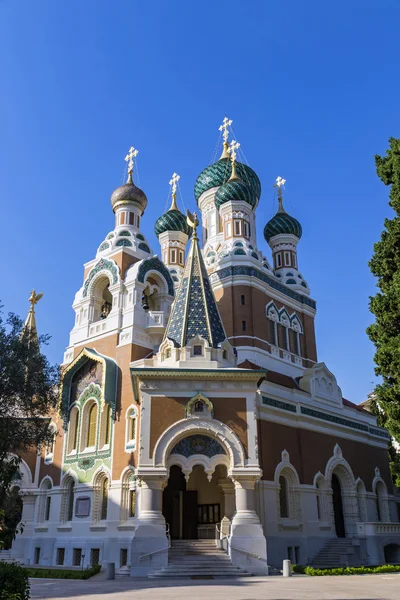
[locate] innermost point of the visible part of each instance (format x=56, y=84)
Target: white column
x=248, y=546
x=150, y=543
x=228, y=491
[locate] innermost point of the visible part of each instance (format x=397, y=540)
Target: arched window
x=67, y=499
x=100, y=504
x=382, y=507
x=45, y=501
x=91, y=426
x=283, y=497
x=108, y=424
x=128, y=496
x=73, y=430
x=131, y=424
x=105, y=426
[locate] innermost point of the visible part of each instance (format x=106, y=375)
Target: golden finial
x=193, y=222
x=174, y=180
x=279, y=184
x=232, y=152
x=129, y=159
x=226, y=123
x=34, y=299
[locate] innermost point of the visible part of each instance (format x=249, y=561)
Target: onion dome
x=218, y=173
x=282, y=223
x=235, y=189
x=128, y=194
x=172, y=220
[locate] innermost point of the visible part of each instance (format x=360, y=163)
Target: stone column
x=150, y=543
x=21, y=549
x=228, y=490
x=248, y=545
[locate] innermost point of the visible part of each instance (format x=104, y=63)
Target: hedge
x=14, y=584
x=62, y=573
x=346, y=570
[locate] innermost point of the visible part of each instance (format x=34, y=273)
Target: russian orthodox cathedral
x=194, y=412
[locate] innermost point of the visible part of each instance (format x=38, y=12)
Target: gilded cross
x=130, y=157
x=224, y=128
x=174, y=180
x=232, y=150
x=279, y=183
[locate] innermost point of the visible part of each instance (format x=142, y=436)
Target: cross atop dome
x=173, y=183
x=279, y=184
x=232, y=153
x=132, y=154
x=226, y=123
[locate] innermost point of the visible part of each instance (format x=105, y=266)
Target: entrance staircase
x=198, y=559
x=337, y=552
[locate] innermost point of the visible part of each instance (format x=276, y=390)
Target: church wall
x=122, y=259
x=233, y=313
x=165, y=411
x=54, y=469
x=310, y=451
x=30, y=458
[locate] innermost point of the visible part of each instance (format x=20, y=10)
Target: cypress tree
x=385, y=305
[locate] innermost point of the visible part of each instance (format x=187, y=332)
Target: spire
x=226, y=123
x=195, y=310
x=280, y=182
x=29, y=327
x=232, y=153
x=174, y=180
x=132, y=154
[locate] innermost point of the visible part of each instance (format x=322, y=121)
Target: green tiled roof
x=173, y=220
x=195, y=310
x=235, y=189
x=219, y=172
x=282, y=223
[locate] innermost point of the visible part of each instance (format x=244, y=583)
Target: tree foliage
x=28, y=395
x=385, y=305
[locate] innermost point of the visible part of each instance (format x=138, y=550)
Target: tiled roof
x=195, y=311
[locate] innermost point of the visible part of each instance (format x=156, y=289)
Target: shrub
x=346, y=570
x=14, y=584
x=62, y=573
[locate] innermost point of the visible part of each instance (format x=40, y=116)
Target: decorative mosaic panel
x=123, y=243
x=144, y=247
x=90, y=372
x=104, y=246
x=341, y=421
x=278, y=404
x=198, y=444
x=155, y=264
x=228, y=272
x=102, y=265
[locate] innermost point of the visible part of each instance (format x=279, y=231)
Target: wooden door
x=190, y=515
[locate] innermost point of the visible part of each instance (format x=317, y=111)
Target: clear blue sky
x=313, y=88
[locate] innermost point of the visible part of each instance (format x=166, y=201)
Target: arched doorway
x=338, y=506
x=192, y=505
x=392, y=553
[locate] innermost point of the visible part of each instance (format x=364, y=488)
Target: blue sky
x=313, y=90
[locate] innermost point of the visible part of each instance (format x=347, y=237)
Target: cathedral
x=195, y=416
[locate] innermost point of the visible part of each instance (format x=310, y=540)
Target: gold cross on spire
x=129, y=159
x=225, y=135
x=173, y=181
x=232, y=152
x=280, y=183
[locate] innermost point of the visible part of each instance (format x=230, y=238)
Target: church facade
x=193, y=405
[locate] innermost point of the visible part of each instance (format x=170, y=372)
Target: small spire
x=173, y=181
x=232, y=152
x=193, y=222
x=226, y=123
x=130, y=159
x=279, y=184
x=30, y=323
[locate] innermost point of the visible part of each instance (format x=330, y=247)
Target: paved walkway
x=355, y=587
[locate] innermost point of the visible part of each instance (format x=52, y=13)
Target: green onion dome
x=218, y=173
x=282, y=223
x=173, y=220
x=235, y=189
x=128, y=194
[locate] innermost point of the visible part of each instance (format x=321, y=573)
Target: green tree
x=385, y=305
x=28, y=395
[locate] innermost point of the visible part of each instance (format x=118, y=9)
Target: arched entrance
x=192, y=505
x=338, y=506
